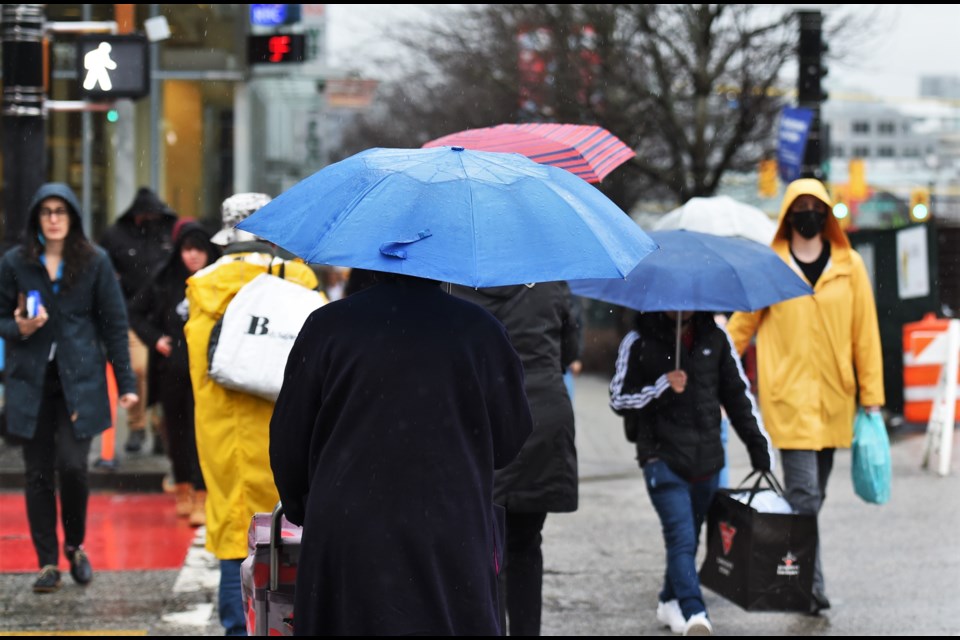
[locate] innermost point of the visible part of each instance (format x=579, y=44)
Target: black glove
x=760, y=459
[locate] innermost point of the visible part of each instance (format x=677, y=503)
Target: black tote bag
x=759, y=561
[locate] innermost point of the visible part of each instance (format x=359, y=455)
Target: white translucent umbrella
x=720, y=216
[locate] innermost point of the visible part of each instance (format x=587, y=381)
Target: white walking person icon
x=97, y=62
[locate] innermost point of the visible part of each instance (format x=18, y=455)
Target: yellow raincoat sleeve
x=867, y=351
x=742, y=327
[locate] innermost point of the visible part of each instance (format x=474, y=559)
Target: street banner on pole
x=792, y=140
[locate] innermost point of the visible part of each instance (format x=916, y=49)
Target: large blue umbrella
x=474, y=218
x=696, y=271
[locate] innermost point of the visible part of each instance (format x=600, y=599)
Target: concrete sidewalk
x=890, y=570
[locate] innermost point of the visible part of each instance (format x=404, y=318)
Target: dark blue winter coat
x=88, y=321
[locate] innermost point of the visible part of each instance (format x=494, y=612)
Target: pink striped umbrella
x=588, y=151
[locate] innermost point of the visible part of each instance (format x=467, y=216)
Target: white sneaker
x=670, y=615
x=698, y=625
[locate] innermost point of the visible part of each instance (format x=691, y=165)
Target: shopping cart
x=268, y=575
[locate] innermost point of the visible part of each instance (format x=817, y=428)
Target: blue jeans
x=230, y=599
x=682, y=507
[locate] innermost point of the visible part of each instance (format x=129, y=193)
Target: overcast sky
x=906, y=42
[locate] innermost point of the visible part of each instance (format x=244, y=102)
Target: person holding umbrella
x=815, y=353
x=400, y=401
x=674, y=373
x=671, y=410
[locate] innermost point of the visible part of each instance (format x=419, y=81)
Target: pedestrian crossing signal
x=279, y=48
x=920, y=204
x=113, y=66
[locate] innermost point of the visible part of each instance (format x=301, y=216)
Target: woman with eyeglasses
x=57, y=353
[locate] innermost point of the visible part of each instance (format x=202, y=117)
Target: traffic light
x=858, y=179
x=919, y=204
x=767, y=179
x=810, y=51
x=841, y=205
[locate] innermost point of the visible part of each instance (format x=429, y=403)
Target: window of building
x=861, y=126
x=886, y=152
x=861, y=152
x=910, y=152
x=886, y=128
x=836, y=151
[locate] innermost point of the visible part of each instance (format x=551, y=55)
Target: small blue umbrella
x=696, y=271
x=473, y=218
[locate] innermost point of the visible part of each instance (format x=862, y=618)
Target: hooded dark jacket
x=138, y=251
x=683, y=430
x=541, y=326
x=88, y=321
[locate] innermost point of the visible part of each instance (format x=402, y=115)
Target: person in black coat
x=398, y=402
x=672, y=410
x=541, y=322
x=139, y=243
x=157, y=314
x=57, y=369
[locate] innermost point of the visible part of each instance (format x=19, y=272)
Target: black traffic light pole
x=24, y=130
x=810, y=93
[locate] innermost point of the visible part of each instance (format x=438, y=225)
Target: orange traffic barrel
x=920, y=380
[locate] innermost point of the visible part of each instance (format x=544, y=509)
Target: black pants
x=521, y=580
x=176, y=397
x=55, y=446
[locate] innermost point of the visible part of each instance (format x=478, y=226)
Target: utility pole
x=810, y=93
x=24, y=113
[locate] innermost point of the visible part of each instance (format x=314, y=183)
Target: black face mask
x=808, y=223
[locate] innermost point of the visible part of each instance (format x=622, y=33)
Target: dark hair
x=77, y=250
x=195, y=240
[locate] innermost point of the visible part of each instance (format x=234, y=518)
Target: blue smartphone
x=33, y=303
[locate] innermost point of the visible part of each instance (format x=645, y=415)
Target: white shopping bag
x=250, y=345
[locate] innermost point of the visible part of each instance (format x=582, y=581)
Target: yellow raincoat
x=232, y=427
x=813, y=351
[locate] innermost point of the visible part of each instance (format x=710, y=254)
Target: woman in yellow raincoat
x=232, y=427
x=815, y=354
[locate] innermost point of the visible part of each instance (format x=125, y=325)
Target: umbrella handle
x=679, y=328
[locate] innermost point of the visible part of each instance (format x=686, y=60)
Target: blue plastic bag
x=872, y=469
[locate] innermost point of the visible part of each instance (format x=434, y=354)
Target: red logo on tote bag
x=726, y=536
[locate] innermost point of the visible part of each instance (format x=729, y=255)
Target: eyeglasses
x=46, y=213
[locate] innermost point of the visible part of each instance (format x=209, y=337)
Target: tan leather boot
x=198, y=516
x=184, y=497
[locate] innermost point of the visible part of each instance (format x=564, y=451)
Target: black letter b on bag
x=258, y=325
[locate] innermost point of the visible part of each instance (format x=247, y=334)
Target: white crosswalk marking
x=197, y=615
x=200, y=573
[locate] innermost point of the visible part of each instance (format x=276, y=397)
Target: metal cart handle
x=275, y=530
